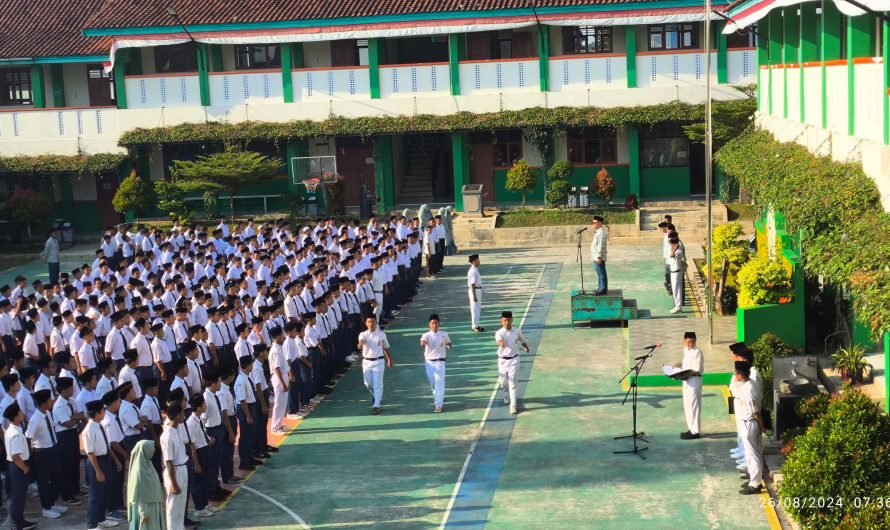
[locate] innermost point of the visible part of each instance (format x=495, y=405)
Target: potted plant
x=851, y=364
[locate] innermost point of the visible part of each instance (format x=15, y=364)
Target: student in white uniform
x=44, y=445
x=677, y=263
x=279, y=369
x=747, y=409
x=176, y=474
x=101, y=464
x=18, y=473
x=375, y=349
x=509, y=340
x=67, y=420
x=693, y=360
x=434, y=342
x=474, y=289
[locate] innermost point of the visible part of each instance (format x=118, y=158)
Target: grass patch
x=526, y=218
x=741, y=212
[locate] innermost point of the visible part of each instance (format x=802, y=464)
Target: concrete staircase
x=689, y=216
x=421, y=164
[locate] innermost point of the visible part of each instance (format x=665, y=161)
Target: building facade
x=114, y=66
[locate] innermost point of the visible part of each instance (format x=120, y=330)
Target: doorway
x=100, y=85
x=106, y=187
x=355, y=161
x=696, y=169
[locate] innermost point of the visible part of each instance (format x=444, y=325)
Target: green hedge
x=834, y=206
x=538, y=117
x=52, y=164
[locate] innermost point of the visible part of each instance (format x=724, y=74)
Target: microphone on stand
x=651, y=349
x=581, y=231
x=656, y=345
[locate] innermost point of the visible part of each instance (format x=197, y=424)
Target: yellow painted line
x=247, y=477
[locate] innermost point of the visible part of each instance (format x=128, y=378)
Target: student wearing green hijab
x=145, y=497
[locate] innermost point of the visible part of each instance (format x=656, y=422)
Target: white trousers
x=176, y=504
x=677, y=289
x=378, y=297
x=475, y=308
x=279, y=403
x=435, y=374
x=692, y=404
x=507, y=370
x=753, y=452
x=373, y=374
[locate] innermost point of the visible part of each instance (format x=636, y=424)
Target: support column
x=287, y=79
x=830, y=30
x=38, y=82
x=633, y=166
x=790, y=44
x=58, y=85
x=376, y=55
x=460, y=154
x=630, y=44
x=457, y=51
x=860, y=43
x=544, y=56
x=383, y=173
x=722, y=56
x=119, y=73
x=885, y=47
x=203, y=68
x=216, y=61
x=775, y=50
x=809, y=49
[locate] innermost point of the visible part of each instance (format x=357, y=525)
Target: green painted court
x=475, y=466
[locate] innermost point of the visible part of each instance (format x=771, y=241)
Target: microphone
x=582, y=230
x=652, y=347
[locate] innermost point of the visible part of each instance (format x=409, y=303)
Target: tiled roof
x=143, y=13
x=47, y=28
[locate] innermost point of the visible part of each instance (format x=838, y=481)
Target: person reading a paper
x=690, y=372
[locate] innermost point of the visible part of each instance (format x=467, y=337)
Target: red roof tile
x=140, y=13
x=48, y=28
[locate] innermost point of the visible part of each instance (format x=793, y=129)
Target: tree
x=521, y=179
x=559, y=187
x=171, y=199
x=228, y=171
x=729, y=252
x=27, y=207
x=604, y=185
x=133, y=194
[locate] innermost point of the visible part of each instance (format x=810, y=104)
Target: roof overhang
x=747, y=13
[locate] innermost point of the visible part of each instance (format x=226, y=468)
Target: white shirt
x=243, y=389
x=373, y=343
x=598, y=245
x=196, y=432
x=473, y=277
x=16, y=444
x=63, y=409
x=151, y=409
x=112, y=428
x=144, y=355
x=129, y=416
x=129, y=374
x=213, y=416
x=278, y=359
x=693, y=360
x=41, y=433
x=93, y=440
x=434, y=344
x=172, y=446
x=512, y=340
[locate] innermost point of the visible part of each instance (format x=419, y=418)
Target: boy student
x=88, y=353
x=375, y=349
x=87, y=390
x=46, y=454
x=175, y=468
x=212, y=417
x=200, y=448
x=261, y=391
x=150, y=409
x=230, y=422
x=67, y=420
x=105, y=372
x=245, y=405
x=281, y=379
x=18, y=474
x=131, y=421
x=114, y=494
x=434, y=342
x=101, y=464
x=128, y=373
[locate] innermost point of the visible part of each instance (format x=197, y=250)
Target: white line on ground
x=463, y=471
x=284, y=508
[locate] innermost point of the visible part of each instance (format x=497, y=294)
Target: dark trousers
x=156, y=459
x=18, y=485
x=114, y=491
x=96, y=499
x=246, y=434
x=47, y=467
x=131, y=441
x=293, y=392
x=69, y=463
x=307, y=386
x=53, y=271
x=262, y=420
x=211, y=474
x=227, y=452
x=198, y=481
x=602, y=277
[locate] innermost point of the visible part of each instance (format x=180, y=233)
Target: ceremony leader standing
x=50, y=255
x=598, y=254
x=694, y=361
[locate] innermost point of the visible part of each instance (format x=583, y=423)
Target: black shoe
x=748, y=490
x=73, y=501
x=689, y=436
x=375, y=411
x=270, y=449
x=248, y=467
x=191, y=524
x=478, y=330
x=744, y=476
x=29, y=525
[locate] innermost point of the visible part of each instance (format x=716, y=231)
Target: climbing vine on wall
x=53, y=164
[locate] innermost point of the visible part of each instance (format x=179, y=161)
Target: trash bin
x=584, y=197
x=67, y=232
x=472, y=194
x=368, y=203
x=573, y=198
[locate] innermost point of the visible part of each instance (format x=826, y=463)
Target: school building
x=823, y=77
x=77, y=75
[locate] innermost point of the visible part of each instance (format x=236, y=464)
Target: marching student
x=375, y=349
x=434, y=343
x=474, y=287
x=509, y=339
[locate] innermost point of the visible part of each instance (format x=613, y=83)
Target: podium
x=588, y=307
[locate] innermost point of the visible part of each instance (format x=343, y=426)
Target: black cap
x=434, y=317
x=472, y=257
x=689, y=335
x=124, y=389
x=110, y=397
x=130, y=355
x=196, y=401
x=63, y=383
x=737, y=347
x=150, y=382
x=42, y=396
x=95, y=406
x=12, y=411
x=507, y=314
x=175, y=396
x=599, y=218
x=245, y=361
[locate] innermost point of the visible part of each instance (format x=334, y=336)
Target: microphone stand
x=632, y=391
x=579, y=258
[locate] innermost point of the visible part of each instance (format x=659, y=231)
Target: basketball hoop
x=311, y=185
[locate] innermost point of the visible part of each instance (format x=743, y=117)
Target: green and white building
x=77, y=76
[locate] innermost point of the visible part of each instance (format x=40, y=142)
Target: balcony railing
x=163, y=90
x=246, y=87
x=409, y=80
x=62, y=131
x=497, y=76
x=581, y=72
x=313, y=84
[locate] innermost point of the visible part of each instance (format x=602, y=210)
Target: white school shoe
x=202, y=513
x=675, y=310
x=108, y=524
x=59, y=508
x=51, y=514
x=294, y=417
x=741, y=467
x=211, y=509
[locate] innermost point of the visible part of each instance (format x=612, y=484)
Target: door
x=479, y=46
x=100, y=85
x=106, y=187
x=482, y=168
x=355, y=161
x=696, y=169
x=344, y=53
x=522, y=45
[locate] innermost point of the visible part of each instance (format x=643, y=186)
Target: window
x=251, y=56
x=592, y=145
x=664, y=145
x=15, y=86
x=673, y=36
x=742, y=39
x=587, y=39
x=362, y=52
x=507, y=148
x=178, y=58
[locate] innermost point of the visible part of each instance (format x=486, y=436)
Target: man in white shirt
x=434, y=343
x=375, y=349
x=693, y=360
x=509, y=339
x=474, y=289
x=67, y=420
x=598, y=254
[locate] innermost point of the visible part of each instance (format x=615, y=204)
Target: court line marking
x=463, y=471
x=284, y=508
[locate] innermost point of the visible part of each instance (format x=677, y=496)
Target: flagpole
x=708, y=168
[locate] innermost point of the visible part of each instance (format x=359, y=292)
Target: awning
x=748, y=13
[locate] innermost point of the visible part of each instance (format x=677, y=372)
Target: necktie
x=218, y=406
x=204, y=355
x=104, y=437
x=204, y=432
x=49, y=426
x=120, y=426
